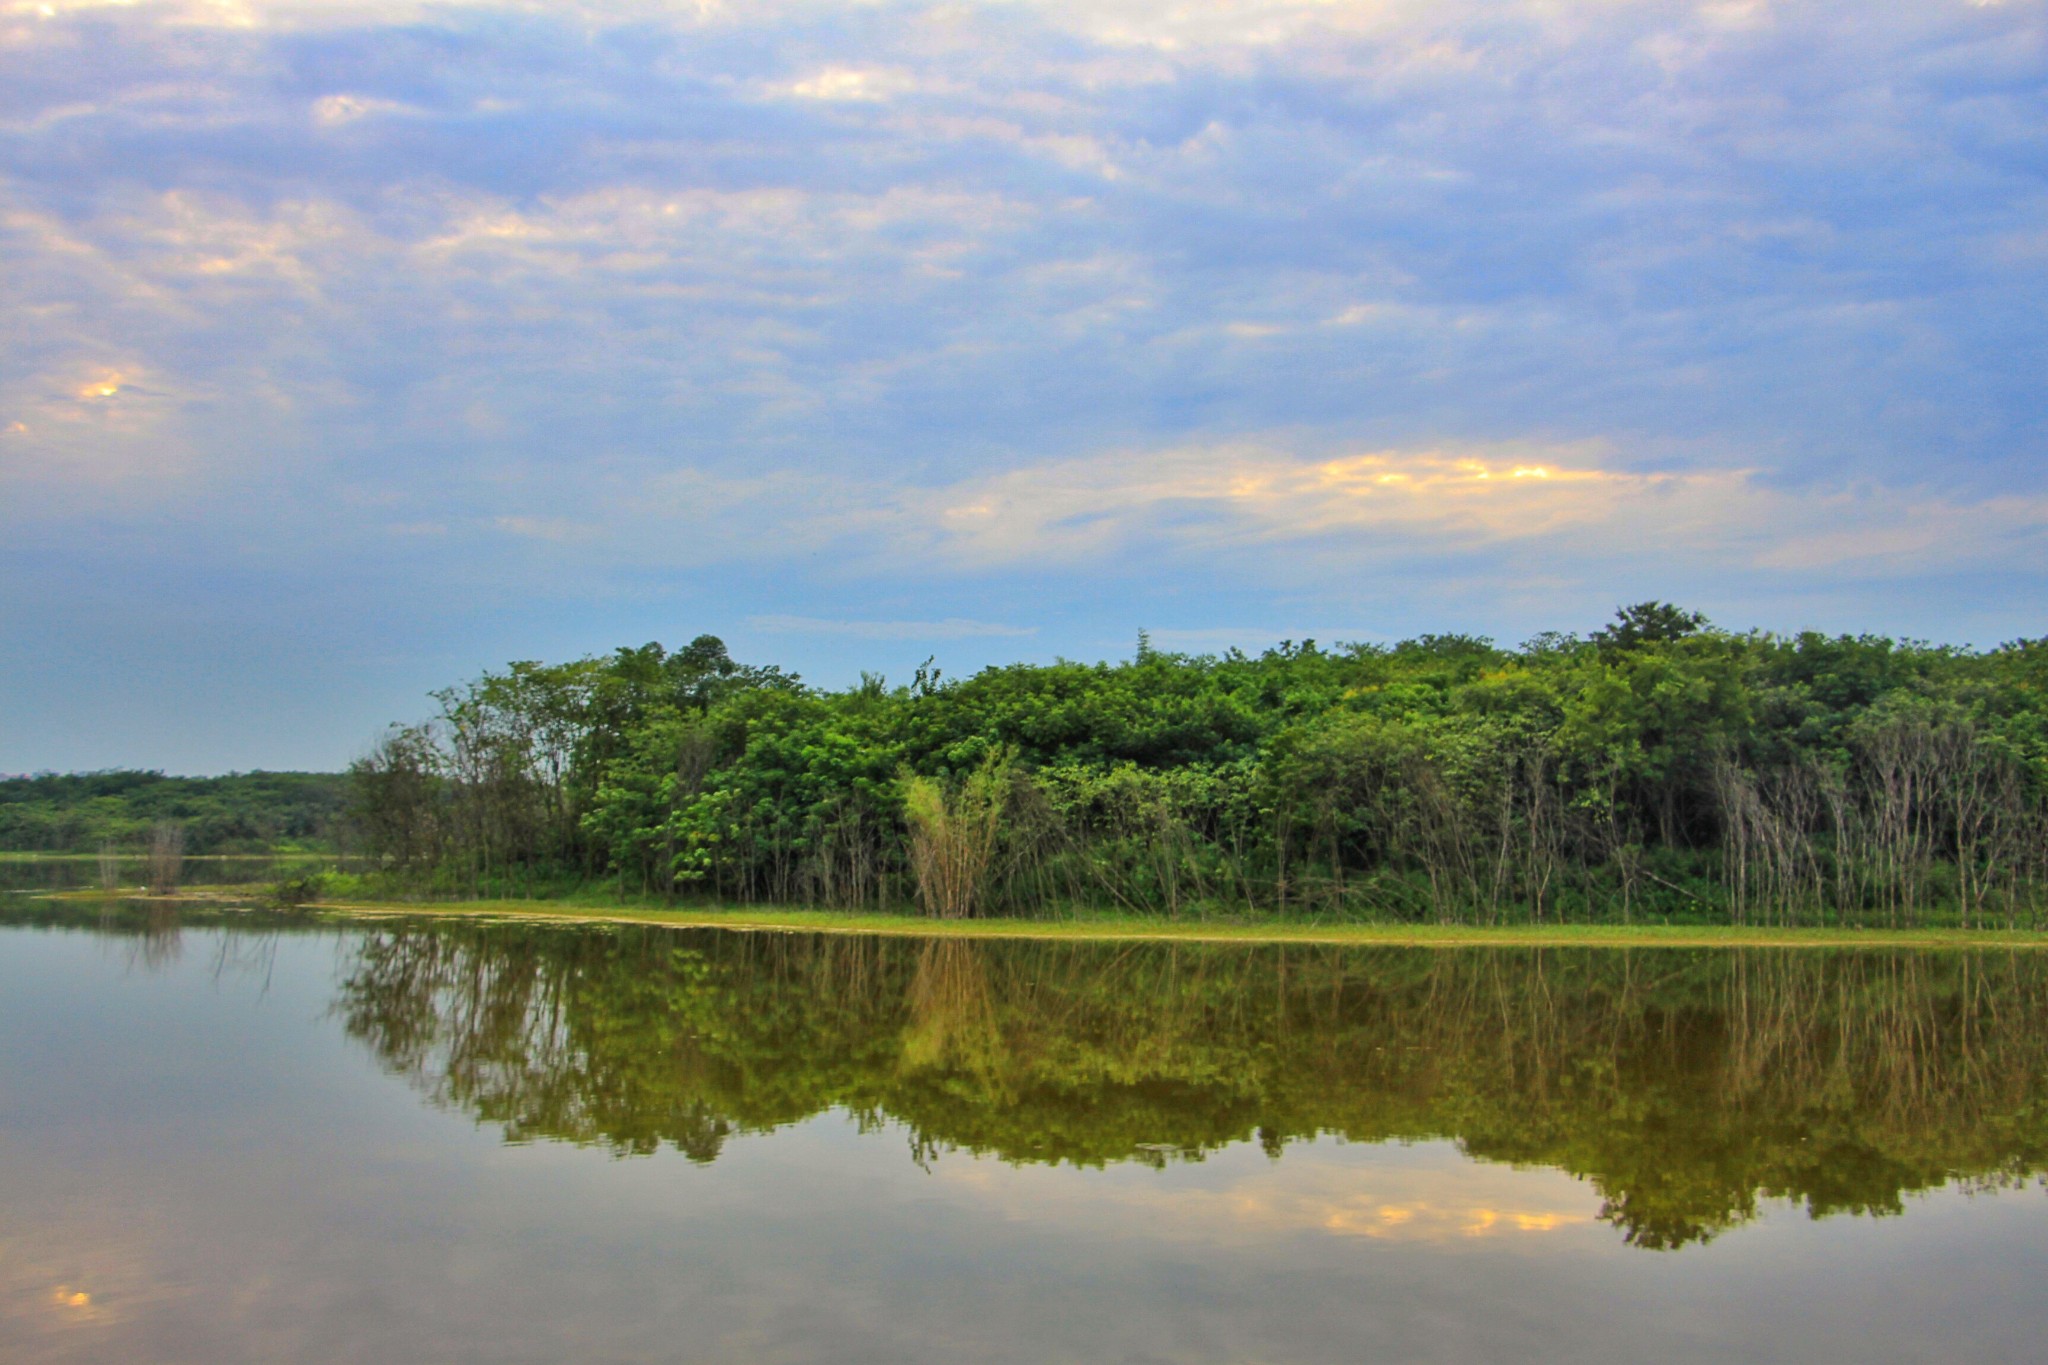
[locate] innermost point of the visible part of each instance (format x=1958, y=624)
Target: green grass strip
x=1139, y=928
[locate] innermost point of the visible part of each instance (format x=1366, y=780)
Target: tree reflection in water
x=1686, y=1086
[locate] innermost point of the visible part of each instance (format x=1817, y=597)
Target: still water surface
x=247, y=1140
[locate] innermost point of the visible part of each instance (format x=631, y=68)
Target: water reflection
x=1686, y=1086
x=36, y=874
x=1009, y=1153
x=1433, y=1198
x=149, y=936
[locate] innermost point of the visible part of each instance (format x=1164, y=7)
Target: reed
x=953, y=837
x=166, y=857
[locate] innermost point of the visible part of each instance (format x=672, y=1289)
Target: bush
x=303, y=889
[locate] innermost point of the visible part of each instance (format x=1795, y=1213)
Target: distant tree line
x=131, y=811
x=1659, y=768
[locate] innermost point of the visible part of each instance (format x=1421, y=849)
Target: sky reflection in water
x=213, y=1147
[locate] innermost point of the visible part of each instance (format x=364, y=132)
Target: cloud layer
x=470, y=331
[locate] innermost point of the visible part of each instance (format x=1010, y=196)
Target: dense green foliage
x=240, y=813
x=1660, y=768
x=1686, y=1085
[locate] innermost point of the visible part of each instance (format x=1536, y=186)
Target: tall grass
x=953, y=836
x=166, y=857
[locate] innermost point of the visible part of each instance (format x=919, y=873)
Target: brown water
x=250, y=1140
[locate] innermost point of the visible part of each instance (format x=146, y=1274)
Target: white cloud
x=335, y=110
x=848, y=84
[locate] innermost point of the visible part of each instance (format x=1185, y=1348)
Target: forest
x=239, y=813
x=1658, y=769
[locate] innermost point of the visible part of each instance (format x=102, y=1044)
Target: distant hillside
x=239, y=813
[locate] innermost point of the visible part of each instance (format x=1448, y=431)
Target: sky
x=348, y=348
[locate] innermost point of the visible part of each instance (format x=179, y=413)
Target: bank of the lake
x=1112, y=927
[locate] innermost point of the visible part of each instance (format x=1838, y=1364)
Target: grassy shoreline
x=761, y=919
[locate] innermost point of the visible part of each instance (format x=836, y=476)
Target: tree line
x=1659, y=768
x=132, y=811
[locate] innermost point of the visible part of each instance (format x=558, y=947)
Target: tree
x=1647, y=623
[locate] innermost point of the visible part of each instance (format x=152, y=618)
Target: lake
x=238, y=1137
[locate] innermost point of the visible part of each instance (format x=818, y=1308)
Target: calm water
x=259, y=1142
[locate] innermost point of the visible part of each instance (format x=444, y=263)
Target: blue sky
x=349, y=348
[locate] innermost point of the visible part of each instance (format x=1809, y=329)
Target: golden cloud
x=1436, y=499
x=1237, y=494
